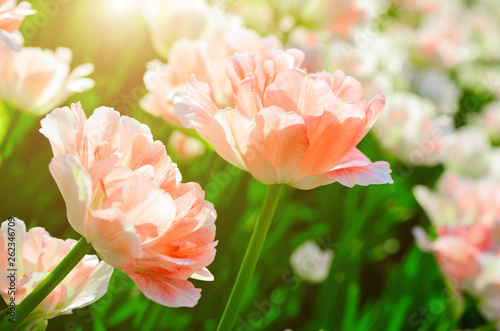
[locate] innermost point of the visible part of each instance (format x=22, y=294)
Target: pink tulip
x=458, y=249
x=469, y=256
x=287, y=126
x=460, y=200
x=11, y=17
x=36, y=255
x=36, y=80
x=185, y=147
x=207, y=59
x=466, y=216
x=123, y=193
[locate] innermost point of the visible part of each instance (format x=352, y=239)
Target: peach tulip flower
x=124, y=194
x=207, y=59
x=36, y=255
x=185, y=147
x=457, y=249
x=287, y=126
x=411, y=129
x=466, y=216
x=469, y=256
x=36, y=80
x=11, y=17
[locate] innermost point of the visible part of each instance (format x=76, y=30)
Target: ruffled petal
x=66, y=129
x=357, y=169
x=295, y=91
x=196, y=110
x=150, y=210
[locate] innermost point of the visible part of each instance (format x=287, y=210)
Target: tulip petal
x=248, y=101
x=167, y=291
x=375, y=107
x=357, y=169
x=65, y=128
x=94, y=283
x=344, y=87
x=236, y=139
x=203, y=274
x=75, y=185
x=293, y=90
x=330, y=141
x=150, y=210
x=196, y=110
x=113, y=236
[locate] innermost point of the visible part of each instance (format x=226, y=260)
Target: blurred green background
x=378, y=280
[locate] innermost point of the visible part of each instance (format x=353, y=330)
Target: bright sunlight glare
x=122, y=7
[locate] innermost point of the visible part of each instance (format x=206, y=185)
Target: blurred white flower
x=493, y=170
x=338, y=17
x=488, y=287
x=368, y=55
x=437, y=86
x=172, y=20
x=489, y=120
x=485, y=23
x=410, y=128
x=481, y=79
x=468, y=152
x=311, y=263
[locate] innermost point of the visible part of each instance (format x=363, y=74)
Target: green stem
x=13, y=118
x=48, y=284
x=251, y=257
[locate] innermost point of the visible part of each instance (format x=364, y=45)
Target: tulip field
x=250, y=165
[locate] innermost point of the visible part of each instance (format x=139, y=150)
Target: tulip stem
x=13, y=117
x=251, y=257
x=47, y=285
